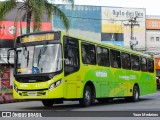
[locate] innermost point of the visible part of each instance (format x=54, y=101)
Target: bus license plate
x=31, y=93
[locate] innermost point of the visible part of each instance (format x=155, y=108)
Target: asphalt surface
x=118, y=109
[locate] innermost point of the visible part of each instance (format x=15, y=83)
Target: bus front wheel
x=87, y=97
x=48, y=102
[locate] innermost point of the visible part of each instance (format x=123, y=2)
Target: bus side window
x=135, y=62
x=88, y=54
x=126, y=62
x=143, y=64
x=150, y=65
x=103, y=56
x=115, y=59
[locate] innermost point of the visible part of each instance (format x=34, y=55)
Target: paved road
x=147, y=104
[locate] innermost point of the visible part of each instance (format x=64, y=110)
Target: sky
x=152, y=6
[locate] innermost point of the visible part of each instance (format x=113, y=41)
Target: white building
x=153, y=39
x=153, y=34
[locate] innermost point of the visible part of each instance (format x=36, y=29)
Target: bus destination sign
x=39, y=37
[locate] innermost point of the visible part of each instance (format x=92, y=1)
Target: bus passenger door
x=71, y=66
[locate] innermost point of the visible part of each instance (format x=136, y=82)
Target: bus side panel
x=148, y=83
x=101, y=77
x=74, y=85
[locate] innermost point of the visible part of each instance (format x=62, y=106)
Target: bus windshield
x=39, y=59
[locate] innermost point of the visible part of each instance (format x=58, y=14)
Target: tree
x=33, y=11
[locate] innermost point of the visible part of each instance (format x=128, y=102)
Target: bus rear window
x=151, y=66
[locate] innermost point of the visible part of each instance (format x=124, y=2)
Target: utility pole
x=132, y=23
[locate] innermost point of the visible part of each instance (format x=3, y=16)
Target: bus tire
x=87, y=97
x=48, y=102
x=135, y=97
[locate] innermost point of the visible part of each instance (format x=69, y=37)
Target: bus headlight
x=15, y=87
x=54, y=85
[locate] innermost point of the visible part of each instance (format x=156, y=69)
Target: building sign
x=7, y=29
x=152, y=24
x=84, y=21
x=10, y=29
x=116, y=26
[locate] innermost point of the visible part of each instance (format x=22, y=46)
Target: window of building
x=115, y=58
x=135, y=62
x=143, y=64
x=88, y=53
x=126, y=63
x=152, y=39
x=103, y=56
x=157, y=39
x=112, y=36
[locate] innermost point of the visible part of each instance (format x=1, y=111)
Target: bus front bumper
x=39, y=94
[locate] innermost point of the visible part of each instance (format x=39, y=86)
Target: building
x=153, y=39
x=117, y=25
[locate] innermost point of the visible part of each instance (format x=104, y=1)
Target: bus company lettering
x=101, y=74
x=23, y=85
x=40, y=85
x=131, y=77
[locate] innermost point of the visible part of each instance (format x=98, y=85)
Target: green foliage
x=6, y=7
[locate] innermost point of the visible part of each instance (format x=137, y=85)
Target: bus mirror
x=9, y=55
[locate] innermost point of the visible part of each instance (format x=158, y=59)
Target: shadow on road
x=75, y=105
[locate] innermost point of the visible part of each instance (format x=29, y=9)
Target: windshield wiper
x=26, y=54
x=27, y=58
x=39, y=56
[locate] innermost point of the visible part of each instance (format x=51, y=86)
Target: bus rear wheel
x=135, y=95
x=87, y=97
x=48, y=102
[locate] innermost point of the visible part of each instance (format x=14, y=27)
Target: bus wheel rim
x=136, y=94
x=87, y=97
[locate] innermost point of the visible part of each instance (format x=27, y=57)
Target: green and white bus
x=53, y=67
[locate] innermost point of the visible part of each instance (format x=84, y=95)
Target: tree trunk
x=28, y=21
